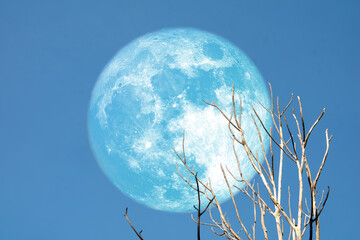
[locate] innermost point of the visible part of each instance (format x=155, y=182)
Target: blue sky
x=52, y=52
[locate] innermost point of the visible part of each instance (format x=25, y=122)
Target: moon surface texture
x=151, y=92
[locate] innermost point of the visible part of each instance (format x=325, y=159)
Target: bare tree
x=300, y=218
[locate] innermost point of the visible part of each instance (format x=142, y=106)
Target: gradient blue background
x=51, y=53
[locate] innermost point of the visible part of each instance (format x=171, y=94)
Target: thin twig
x=137, y=233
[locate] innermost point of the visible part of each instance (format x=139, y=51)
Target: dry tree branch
x=262, y=124
x=323, y=205
x=198, y=209
x=234, y=203
x=265, y=170
x=137, y=233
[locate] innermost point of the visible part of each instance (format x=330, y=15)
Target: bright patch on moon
x=150, y=93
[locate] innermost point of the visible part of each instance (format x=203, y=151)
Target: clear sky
x=52, y=52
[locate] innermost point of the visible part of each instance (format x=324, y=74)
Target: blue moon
x=151, y=92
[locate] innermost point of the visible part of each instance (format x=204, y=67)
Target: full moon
x=151, y=92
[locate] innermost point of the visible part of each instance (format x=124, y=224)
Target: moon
x=151, y=92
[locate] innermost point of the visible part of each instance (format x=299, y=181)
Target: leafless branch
x=269, y=170
x=137, y=233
